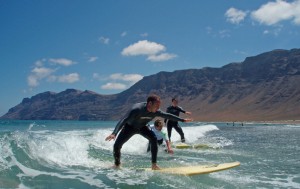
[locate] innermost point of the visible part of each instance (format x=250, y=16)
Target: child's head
x=158, y=124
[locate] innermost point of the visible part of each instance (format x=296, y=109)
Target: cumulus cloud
x=32, y=81
x=235, y=16
x=274, y=12
x=43, y=70
x=270, y=13
x=119, y=81
x=161, y=57
x=132, y=78
x=40, y=63
x=104, y=40
x=69, y=78
x=37, y=74
x=114, y=86
x=276, y=31
x=62, y=61
x=153, y=50
x=143, y=47
x=92, y=59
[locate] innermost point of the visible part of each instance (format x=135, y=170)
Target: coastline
x=239, y=123
x=292, y=122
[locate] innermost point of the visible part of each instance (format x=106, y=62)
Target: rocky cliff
x=261, y=88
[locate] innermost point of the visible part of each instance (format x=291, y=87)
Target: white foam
x=61, y=150
x=71, y=148
x=5, y=152
x=68, y=148
x=34, y=125
x=243, y=181
x=88, y=178
x=295, y=126
x=137, y=144
x=193, y=133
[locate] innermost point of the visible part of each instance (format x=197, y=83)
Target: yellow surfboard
x=195, y=146
x=183, y=146
x=198, y=169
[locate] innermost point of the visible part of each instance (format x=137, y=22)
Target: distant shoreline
x=237, y=123
x=281, y=122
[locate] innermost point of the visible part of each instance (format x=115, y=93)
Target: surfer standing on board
x=135, y=122
x=175, y=110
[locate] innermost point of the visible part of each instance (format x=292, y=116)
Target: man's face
x=154, y=106
x=175, y=102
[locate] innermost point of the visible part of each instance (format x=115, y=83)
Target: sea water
x=74, y=154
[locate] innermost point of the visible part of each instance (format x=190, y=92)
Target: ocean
x=74, y=154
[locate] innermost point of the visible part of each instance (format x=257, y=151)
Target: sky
x=108, y=45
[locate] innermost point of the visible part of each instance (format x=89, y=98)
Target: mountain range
x=265, y=87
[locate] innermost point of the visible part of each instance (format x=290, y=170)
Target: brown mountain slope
x=262, y=88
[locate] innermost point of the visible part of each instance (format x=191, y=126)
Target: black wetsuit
x=175, y=110
x=135, y=122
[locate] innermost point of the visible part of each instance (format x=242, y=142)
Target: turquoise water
x=73, y=154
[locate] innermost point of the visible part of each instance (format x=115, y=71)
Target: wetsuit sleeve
x=168, y=110
x=180, y=109
x=123, y=121
x=168, y=116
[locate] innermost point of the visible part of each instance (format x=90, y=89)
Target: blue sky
x=107, y=45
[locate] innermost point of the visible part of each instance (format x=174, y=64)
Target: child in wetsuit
x=160, y=135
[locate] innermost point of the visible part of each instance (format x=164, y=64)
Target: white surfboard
x=198, y=169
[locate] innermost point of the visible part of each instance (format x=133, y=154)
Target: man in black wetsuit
x=175, y=110
x=135, y=122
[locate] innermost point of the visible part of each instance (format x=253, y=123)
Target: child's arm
x=170, y=151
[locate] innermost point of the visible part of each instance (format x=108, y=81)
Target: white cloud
x=40, y=72
x=152, y=50
x=114, y=86
x=132, y=78
x=70, y=78
x=32, y=81
x=235, y=16
x=161, y=57
x=274, y=12
x=62, y=61
x=40, y=63
x=37, y=74
x=104, y=40
x=143, y=47
x=92, y=59
x=119, y=81
x=276, y=31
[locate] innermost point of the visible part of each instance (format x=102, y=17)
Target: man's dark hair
x=174, y=99
x=153, y=98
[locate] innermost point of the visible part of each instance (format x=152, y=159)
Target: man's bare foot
x=155, y=167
